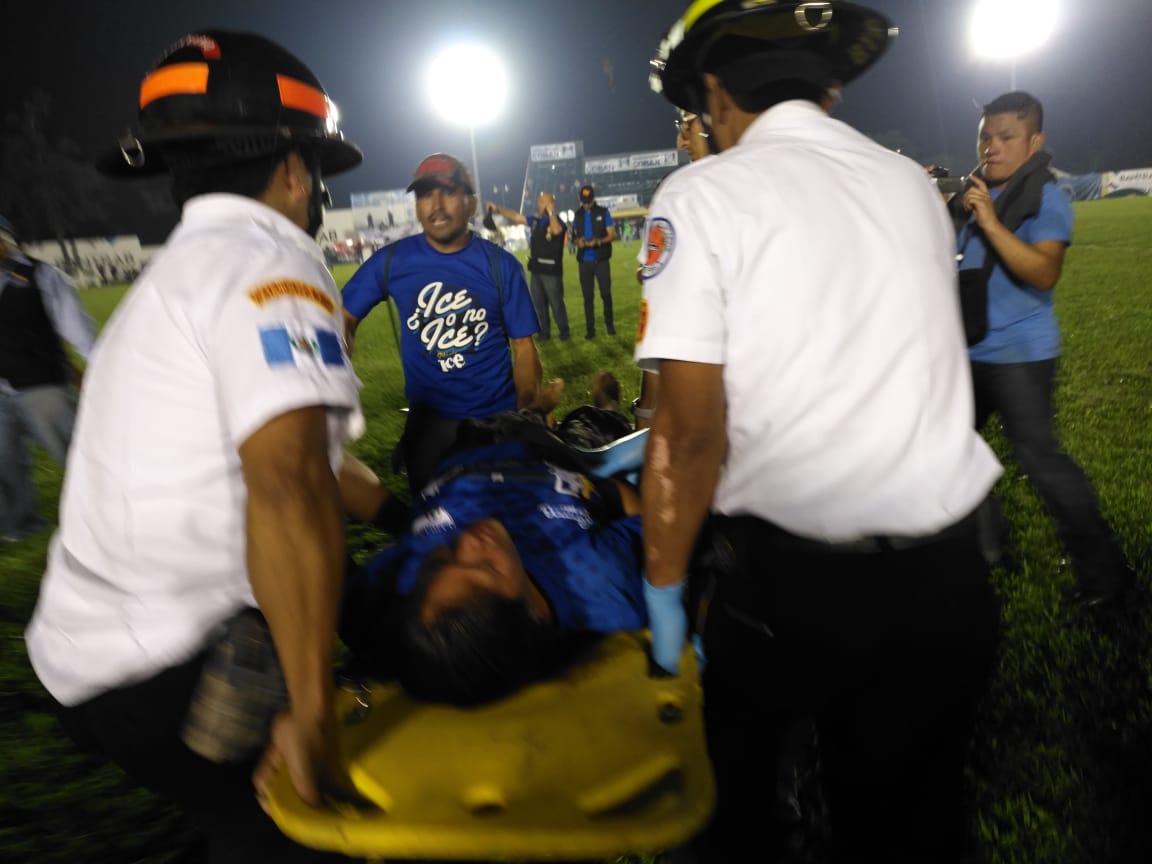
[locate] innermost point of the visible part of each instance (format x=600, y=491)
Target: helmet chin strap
x=706, y=122
x=319, y=199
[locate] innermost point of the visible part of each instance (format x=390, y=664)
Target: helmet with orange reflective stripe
x=819, y=42
x=220, y=97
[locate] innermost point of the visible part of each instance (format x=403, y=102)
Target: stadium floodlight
x=1008, y=29
x=467, y=85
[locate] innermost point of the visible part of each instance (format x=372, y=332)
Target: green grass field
x=1060, y=770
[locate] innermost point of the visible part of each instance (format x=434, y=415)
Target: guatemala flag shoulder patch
x=300, y=345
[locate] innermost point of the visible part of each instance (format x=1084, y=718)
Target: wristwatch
x=641, y=413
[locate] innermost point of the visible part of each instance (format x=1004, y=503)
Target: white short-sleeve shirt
x=817, y=268
x=235, y=322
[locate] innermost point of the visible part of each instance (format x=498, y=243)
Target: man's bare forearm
x=511, y=215
x=295, y=564
x=686, y=448
x=527, y=372
x=350, y=325
x=295, y=561
x=1037, y=265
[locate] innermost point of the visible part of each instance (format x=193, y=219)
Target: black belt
x=868, y=545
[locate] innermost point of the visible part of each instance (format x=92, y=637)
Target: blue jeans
x=1022, y=394
x=45, y=414
x=547, y=290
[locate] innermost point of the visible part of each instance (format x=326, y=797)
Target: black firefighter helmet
x=824, y=43
x=219, y=97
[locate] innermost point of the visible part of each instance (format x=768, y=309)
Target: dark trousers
x=1022, y=394
x=138, y=728
x=547, y=290
x=887, y=651
x=427, y=437
x=601, y=272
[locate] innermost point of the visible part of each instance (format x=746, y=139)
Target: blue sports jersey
x=453, y=332
x=1022, y=326
x=585, y=558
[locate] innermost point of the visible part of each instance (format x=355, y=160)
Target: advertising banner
x=552, y=152
x=1134, y=181
x=618, y=202
x=632, y=162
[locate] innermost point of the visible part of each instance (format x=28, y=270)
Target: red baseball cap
x=440, y=169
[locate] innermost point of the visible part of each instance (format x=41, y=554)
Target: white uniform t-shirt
x=235, y=322
x=817, y=268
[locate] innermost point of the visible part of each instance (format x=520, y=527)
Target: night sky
x=579, y=71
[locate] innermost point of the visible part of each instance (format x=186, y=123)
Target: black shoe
x=29, y=529
x=1105, y=593
x=994, y=532
x=611, y=331
x=589, y=335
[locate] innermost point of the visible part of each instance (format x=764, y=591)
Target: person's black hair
x=611, y=388
x=197, y=172
x=478, y=651
x=758, y=99
x=1023, y=105
x=734, y=61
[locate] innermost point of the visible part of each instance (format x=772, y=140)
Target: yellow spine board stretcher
x=602, y=762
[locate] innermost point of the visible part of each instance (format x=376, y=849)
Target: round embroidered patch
x=658, y=247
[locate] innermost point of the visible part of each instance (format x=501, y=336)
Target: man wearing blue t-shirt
x=1021, y=217
x=462, y=302
x=594, y=232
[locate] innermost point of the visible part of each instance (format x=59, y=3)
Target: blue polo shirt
x=1022, y=325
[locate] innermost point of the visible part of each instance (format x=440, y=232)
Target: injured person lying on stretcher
x=513, y=567
x=512, y=555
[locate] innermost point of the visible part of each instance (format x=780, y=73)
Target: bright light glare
x=467, y=84
x=1003, y=29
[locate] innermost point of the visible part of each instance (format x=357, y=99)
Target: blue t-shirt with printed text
x=453, y=331
x=584, y=556
x=1022, y=325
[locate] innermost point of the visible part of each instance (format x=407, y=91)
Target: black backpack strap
x=973, y=286
x=494, y=266
x=389, y=299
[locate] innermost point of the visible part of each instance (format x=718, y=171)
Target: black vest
x=599, y=231
x=30, y=351
x=544, y=255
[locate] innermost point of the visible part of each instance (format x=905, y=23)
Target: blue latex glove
x=668, y=622
x=698, y=650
